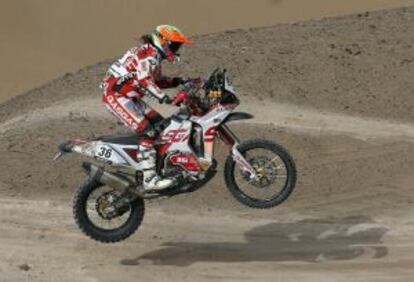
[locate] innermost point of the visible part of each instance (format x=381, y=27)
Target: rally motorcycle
x=109, y=206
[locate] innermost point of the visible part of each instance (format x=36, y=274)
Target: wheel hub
x=105, y=208
x=266, y=173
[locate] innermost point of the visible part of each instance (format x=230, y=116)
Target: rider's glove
x=165, y=100
x=179, y=98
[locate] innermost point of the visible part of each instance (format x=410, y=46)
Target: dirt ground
x=349, y=219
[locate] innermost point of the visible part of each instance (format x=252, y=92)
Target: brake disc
x=265, y=171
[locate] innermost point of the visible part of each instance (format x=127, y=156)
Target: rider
x=137, y=74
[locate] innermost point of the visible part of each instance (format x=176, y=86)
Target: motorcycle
x=109, y=206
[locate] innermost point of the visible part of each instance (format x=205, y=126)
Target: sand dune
x=42, y=40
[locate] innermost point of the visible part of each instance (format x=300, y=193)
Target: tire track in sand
x=285, y=116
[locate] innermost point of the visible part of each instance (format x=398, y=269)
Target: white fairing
x=208, y=123
x=177, y=134
x=228, y=86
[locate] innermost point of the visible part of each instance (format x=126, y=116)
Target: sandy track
x=188, y=247
x=330, y=227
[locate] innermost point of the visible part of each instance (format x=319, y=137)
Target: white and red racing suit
x=134, y=75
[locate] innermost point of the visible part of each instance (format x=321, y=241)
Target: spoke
x=92, y=209
x=245, y=183
x=274, y=174
x=272, y=160
x=278, y=180
x=280, y=166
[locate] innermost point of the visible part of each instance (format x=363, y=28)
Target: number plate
x=104, y=152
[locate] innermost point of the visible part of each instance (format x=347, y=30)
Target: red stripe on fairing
x=132, y=153
x=211, y=131
x=163, y=148
x=147, y=142
x=210, y=134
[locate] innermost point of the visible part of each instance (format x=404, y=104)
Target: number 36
x=105, y=152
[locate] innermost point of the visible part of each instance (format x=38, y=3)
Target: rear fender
x=106, y=152
x=68, y=147
x=89, y=149
x=78, y=146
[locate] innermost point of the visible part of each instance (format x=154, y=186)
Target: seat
x=124, y=139
x=132, y=138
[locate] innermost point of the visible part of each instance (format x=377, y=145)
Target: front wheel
x=276, y=174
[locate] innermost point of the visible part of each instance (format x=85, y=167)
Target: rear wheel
x=276, y=174
x=97, y=217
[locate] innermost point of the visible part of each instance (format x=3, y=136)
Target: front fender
x=238, y=116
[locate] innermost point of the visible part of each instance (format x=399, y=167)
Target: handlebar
x=195, y=101
x=192, y=86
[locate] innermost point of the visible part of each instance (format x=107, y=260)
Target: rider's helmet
x=168, y=40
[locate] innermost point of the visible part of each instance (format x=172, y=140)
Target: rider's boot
x=151, y=181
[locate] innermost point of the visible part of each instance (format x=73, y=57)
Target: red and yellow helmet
x=168, y=39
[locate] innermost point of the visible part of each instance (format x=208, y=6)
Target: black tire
x=137, y=210
x=229, y=170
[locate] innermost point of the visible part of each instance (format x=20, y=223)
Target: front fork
x=231, y=140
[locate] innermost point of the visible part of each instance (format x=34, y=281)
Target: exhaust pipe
x=98, y=174
x=116, y=181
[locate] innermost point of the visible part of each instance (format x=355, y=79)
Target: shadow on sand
x=311, y=240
